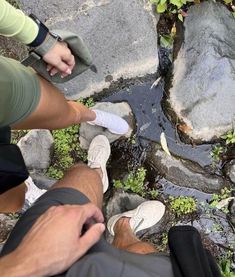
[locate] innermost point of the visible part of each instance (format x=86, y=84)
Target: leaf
x=173, y=30
x=180, y=17
x=161, y=8
x=164, y=143
x=155, y=83
x=162, y=2
x=166, y=41
x=233, y=14
x=227, y=1
x=224, y=202
x=177, y=3
x=197, y=1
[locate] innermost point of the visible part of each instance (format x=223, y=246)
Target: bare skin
x=13, y=200
x=54, y=111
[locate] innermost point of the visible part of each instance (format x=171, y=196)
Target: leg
x=12, y=200
x=86, y=180
x=54, y=111
x=126, y=240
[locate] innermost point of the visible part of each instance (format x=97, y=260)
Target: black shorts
x=102, y=259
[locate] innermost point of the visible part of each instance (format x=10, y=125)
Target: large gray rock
x=203, y=92
x=183, y=173
x=120, y=34
x=42, y=181
x=36, y=148
x=230, y=170
x=88, y=132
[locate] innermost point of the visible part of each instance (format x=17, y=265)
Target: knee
x=83, y=170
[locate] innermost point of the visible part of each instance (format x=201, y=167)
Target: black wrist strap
x=42, y=32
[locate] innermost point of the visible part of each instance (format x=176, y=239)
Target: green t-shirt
x=14, y=23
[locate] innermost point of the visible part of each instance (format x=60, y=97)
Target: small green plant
x=132, y=139
x=183, y=205
x=153, y=193
x=229, y=137
x=216, y=153
x=88, y=102
x=134, y=182
x=172, y=7
x=67, y=149
x=16, y=135
x=167, y=40
x=216, y=198
x=225, y=266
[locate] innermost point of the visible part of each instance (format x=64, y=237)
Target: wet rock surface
x=36, y=148
x=202, y=93
x=214, y=225
x=146, y=104
x=230, y=171
x=123, y=42
x=88, y=132
x=183, y=173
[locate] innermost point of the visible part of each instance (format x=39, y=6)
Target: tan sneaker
x=98, y=155
x=146, y=215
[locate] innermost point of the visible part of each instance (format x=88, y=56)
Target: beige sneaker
x=146, y=215
x=98, y=155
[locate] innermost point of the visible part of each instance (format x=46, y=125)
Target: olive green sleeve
x=14, y=23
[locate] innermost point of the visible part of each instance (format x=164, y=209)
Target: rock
x=37, y=148
x=88, y=132
x=7, y=223
x=202, y=93
x=183, y=173
x=231, y=208
x=216, y=227
x=120, y=34
x=122, y=202
x=41, y=181
x=230, y=170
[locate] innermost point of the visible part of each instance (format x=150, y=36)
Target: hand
x=59, y=59
x=55, y=242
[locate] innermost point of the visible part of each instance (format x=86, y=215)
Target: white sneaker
x=32, y=194
x=98, y=155
x=146, y=215
x=114, y=123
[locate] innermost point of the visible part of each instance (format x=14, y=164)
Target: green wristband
x=48, y=44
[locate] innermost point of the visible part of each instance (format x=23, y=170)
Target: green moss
x=134, y=182
x=182, y=205
x=225, y=266
x=67, y=150
x=216, y=198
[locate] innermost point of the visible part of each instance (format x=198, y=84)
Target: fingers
x=90, y=211
x=59, y=59
x=91, y=237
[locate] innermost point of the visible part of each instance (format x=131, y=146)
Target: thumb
x=91, y=236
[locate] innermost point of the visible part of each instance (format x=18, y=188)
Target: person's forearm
x=14, y=23
x=15, y=265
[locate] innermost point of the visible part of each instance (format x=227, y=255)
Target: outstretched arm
x=14, y=23
x=55, y=242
